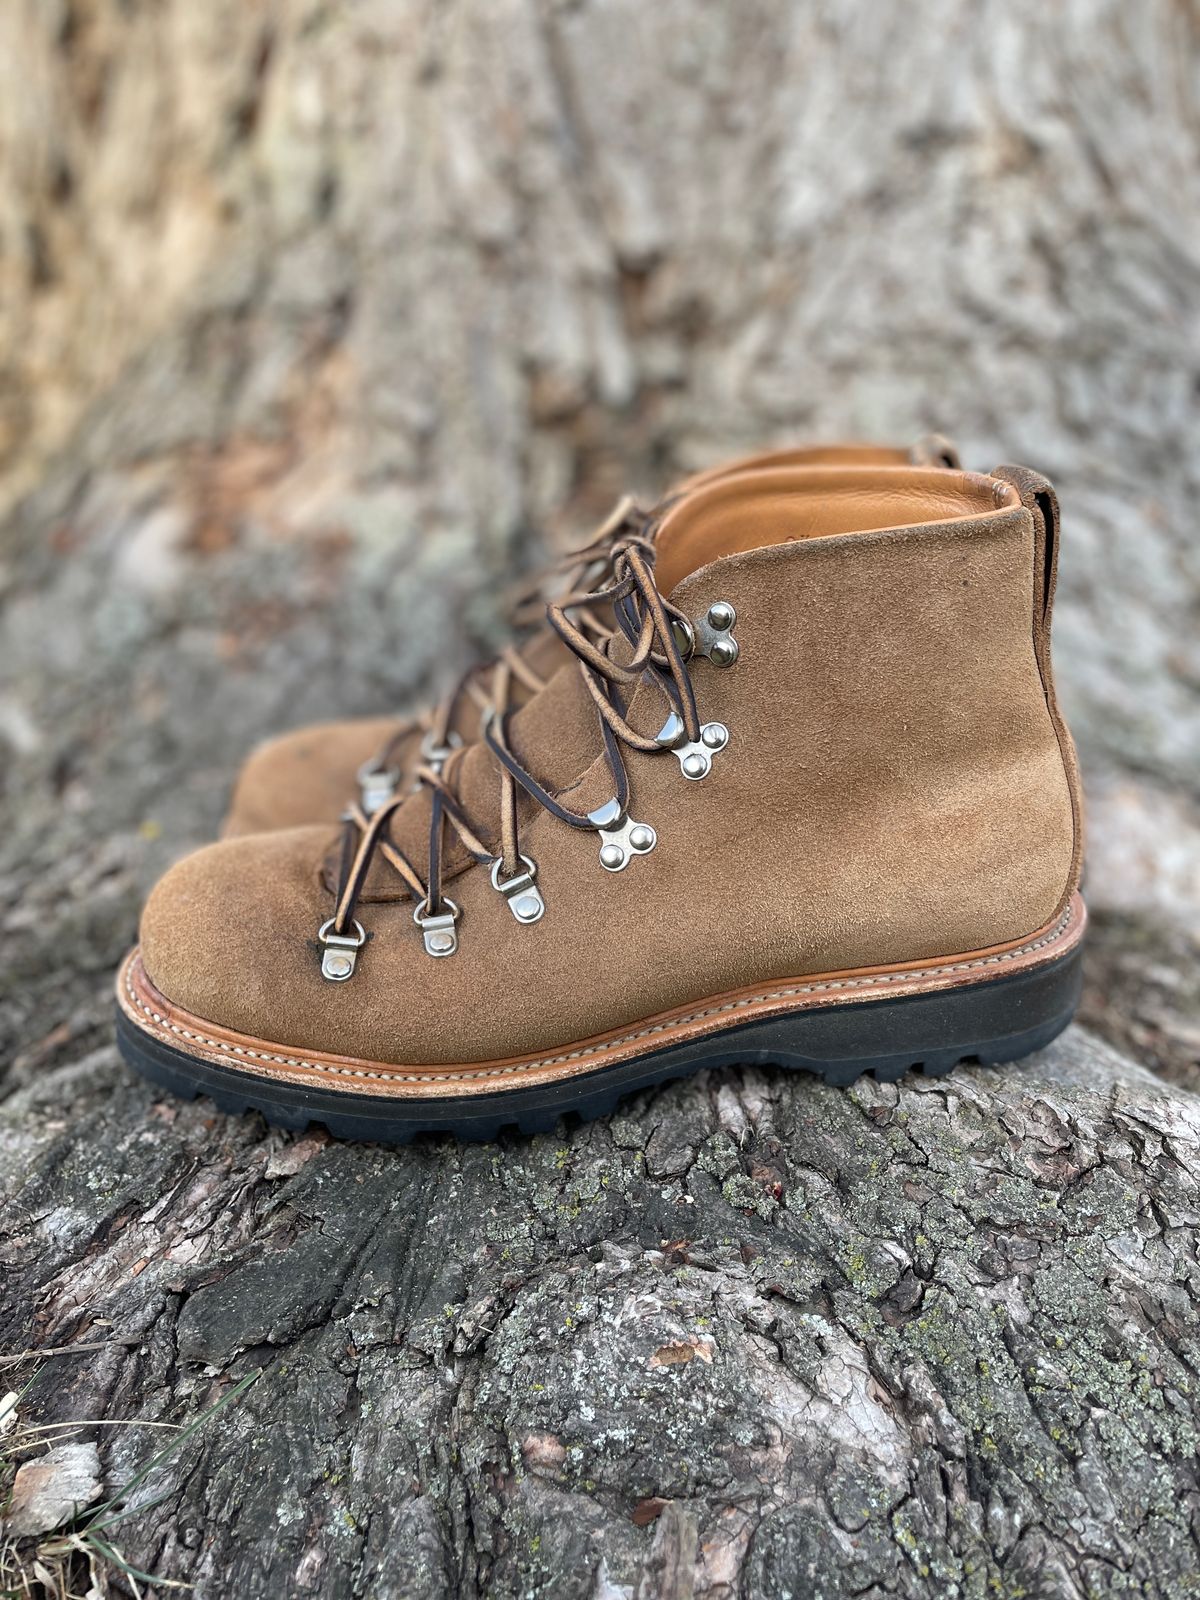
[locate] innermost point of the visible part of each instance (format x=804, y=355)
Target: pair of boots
x=781, y=779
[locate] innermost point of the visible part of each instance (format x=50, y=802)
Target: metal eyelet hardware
x=710, y=636
x=376, y=784
x=684, y=635
x=695, y=758
x=435, y=756
x=621, y=838
x=521, y=890
x=340, y=955
x=440, y=932
x=714, y=634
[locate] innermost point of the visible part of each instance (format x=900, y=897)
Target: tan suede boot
x=310, y=774
x=856, y=849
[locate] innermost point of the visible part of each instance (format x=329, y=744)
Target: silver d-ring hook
x=340, y=955
x=710, y=636
x=695, y=758
x=521, y=890
x=714, y=634
x=684, y=635
x=435, y=756
x=440, y=933
x=377, y=784
x=621, y=838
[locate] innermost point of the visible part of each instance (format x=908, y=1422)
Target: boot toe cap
x=232, y=927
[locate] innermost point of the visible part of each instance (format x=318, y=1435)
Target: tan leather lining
x=755, y=509
x=157, y=1016
x=828, y=455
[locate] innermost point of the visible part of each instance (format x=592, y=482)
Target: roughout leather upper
x=305, y=776
x=896, y=787
x=308, y=775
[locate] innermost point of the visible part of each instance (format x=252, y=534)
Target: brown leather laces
x=645, y=620
x=490, y=686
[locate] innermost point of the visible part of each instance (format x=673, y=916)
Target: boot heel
x=984, y=1024
x=981, y=1024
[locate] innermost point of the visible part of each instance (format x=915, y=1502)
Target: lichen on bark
x=937, y=1336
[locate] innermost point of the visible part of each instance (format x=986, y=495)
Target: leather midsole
x=157, y=1016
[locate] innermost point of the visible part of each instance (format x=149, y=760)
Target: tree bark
x=317, y=320
x=752, y=1337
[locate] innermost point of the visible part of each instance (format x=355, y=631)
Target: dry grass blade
x=47, y=1569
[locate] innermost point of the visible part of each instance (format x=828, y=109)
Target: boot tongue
x=555, y=735
x=543, y=653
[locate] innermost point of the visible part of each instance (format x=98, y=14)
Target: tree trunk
x=753, y=1337
x=315, y=321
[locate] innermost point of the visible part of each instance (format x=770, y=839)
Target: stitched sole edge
x=1001, y=1019
x=155, y=1014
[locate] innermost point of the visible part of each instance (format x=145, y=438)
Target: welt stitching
x=834, y=984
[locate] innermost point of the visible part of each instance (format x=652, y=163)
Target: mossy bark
x=311, y=314
x=752, y=1337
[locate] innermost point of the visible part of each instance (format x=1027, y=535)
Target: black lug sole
x=988, y=1023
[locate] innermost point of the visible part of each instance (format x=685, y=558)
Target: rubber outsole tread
x=991, y=1023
